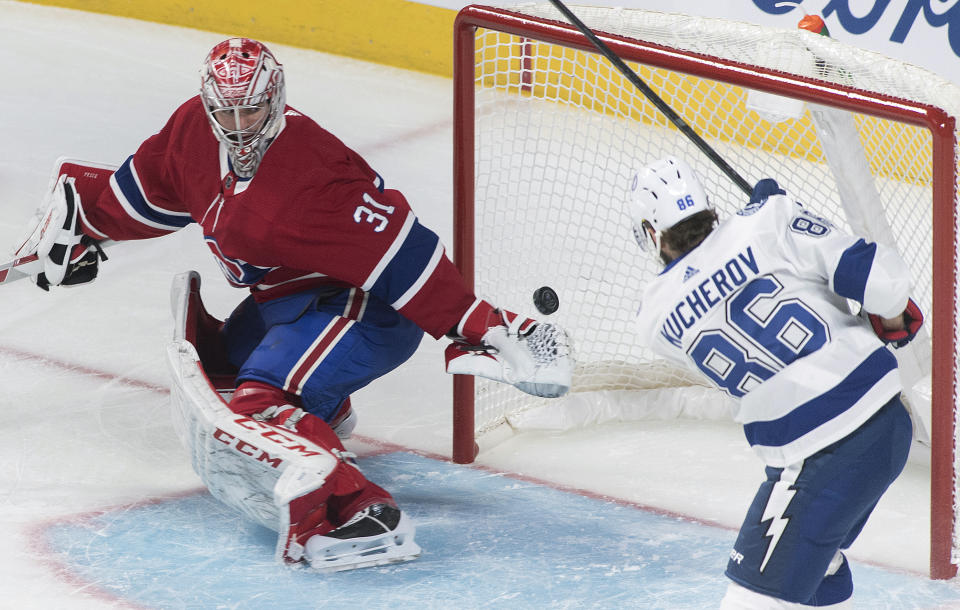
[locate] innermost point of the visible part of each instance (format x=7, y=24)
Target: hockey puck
x=545, y=299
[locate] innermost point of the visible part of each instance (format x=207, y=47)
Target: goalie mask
x=663, y=194
x=243, y=95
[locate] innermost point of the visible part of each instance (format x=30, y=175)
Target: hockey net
x=548, y=135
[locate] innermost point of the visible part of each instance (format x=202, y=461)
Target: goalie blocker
x=66, y=256
x=284, y=478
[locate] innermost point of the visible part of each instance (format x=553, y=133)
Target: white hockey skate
x=377, y=535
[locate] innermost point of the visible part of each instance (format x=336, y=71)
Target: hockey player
x=759, y=305
x=343, y=282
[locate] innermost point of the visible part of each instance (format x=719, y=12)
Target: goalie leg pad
x=315, y=512
x=291, y=481
x=249, y=465
x=256, y=398
x=283, y=479
x=345, y=489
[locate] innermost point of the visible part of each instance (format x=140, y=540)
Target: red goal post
x=547, y=135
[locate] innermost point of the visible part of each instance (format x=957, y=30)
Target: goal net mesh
x=558, y=134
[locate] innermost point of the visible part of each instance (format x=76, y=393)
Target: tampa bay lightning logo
x=777, y=7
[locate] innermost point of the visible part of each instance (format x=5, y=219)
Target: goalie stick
x=657, y=101
x=19, y=268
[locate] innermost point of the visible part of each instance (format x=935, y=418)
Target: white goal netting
x=557, y=133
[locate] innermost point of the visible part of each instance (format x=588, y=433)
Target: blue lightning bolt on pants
x=802, y=515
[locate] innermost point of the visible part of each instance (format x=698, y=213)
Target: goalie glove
x=912, y=321
x=68, y=256
x=535, y=357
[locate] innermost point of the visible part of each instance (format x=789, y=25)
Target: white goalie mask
x=243, y=94
x=663, y=194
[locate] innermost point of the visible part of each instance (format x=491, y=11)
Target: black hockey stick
x=657, y=101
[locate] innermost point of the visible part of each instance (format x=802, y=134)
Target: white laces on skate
x=275, y=415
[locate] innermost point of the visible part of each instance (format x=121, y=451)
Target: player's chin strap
x=534, y=357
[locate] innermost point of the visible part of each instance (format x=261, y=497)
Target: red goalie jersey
x=314, y=213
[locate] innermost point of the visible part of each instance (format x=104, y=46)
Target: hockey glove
x=83, y=266
x=534, y=357
x=69, y=257
x=912, y=321
x=764, y=189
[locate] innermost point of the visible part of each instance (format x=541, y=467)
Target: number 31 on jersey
x=380, y=221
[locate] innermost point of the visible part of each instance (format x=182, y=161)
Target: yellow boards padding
x=715, y=110
x=392, y=32
x=419, y=37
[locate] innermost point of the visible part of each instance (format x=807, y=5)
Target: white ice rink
x=84, y=422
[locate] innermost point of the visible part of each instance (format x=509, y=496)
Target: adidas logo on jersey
x=689, y=273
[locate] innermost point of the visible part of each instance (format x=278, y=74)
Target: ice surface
x=490, y=541
x=99, y=505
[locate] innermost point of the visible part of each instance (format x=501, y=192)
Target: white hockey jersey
x=760, y=308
